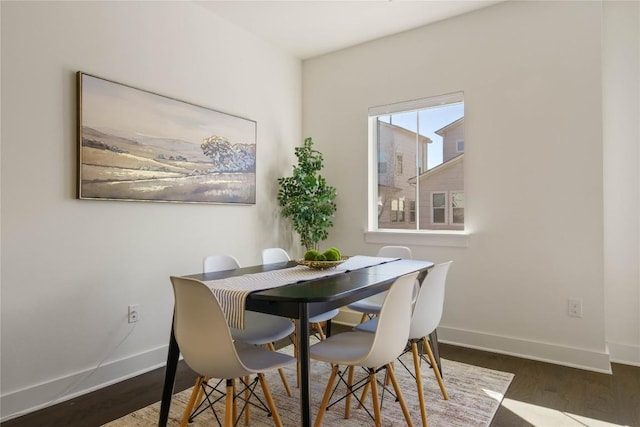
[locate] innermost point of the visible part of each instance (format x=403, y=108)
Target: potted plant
x=306, y=198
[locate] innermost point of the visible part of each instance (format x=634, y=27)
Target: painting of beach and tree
x=137, y=145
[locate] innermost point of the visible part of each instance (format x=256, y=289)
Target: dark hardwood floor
x=555, y=391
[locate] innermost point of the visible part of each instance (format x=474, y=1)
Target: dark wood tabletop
x=301, y=301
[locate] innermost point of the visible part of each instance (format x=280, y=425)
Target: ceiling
x=311, y=28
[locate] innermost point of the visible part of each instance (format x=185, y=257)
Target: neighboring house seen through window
x=399, y=164
x=397, y=210
x=457, y=207
x=447, y=207
x=439, y=208
x=418, y=149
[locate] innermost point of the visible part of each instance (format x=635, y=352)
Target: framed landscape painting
x=137, y=145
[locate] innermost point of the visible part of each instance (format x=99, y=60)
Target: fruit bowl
x=322, y=265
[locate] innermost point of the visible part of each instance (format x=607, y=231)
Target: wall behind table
x=621, y=112
x=70, y=268
x=533, y=167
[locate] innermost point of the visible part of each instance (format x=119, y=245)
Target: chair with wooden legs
x=427, y=313
x=372, y=351
x=274, y=255
x=260, y=329
x=370, y=306
x=206, y=343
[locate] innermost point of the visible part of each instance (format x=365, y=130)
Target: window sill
x=457, y=239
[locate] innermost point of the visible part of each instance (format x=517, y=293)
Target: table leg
x=169, y=378
x=433, y=339
x=303, y=355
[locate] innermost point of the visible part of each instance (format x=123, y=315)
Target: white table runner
x=232, y=292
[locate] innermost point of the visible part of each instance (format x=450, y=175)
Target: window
x=382, y=167
x=399, y=164
x=439, y=208
x=412, y=211
x=417, y=164
x=457, y=207
x=447, y=207
x=397, y=210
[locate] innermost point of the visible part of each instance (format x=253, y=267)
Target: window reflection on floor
x=540, y=416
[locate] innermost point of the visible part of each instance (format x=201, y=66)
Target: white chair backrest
x=395, y=252
x=394, y=320
x=399, y=252
x=273, y=255
x=427, y=310
x=219, y=263
x=202, y=332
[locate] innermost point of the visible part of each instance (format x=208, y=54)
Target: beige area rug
x=474, y=396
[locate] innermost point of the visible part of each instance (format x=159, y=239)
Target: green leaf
x=306, y=198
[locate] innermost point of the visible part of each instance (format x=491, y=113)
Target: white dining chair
x=213, y=263
x=427, y=313
x=373, y=351
x=259, y=328
x=208, y=347
x=370, y=306
x=276, y=255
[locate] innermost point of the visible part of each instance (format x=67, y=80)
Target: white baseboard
x=20, y=402
x=545, y=352
x=624, y=353
x=39, y=396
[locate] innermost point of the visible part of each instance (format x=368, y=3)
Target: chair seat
x=347, y=348
x=370, y=305
x=258, y=359
x=372, y=351
x=369, y=326
x=425, y=318
x=323, y=317
x=263, y=328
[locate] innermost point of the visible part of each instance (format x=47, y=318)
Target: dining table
x=300, y=301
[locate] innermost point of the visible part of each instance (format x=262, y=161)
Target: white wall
x=70, y=268
x=621, y=79
x=532, y=81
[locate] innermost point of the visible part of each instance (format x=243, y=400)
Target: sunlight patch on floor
x=540, y=416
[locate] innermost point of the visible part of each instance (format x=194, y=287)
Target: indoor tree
x=306, y=198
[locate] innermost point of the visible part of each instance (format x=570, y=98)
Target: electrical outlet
x=134, y=313
x=575, y=307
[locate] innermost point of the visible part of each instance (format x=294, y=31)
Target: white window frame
x=451, y=193
x=454, y=238
x=445, y=207
x=458, y=150
x=448, y=207
x=394, y=210
x=412, y=211
x=398, y=214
